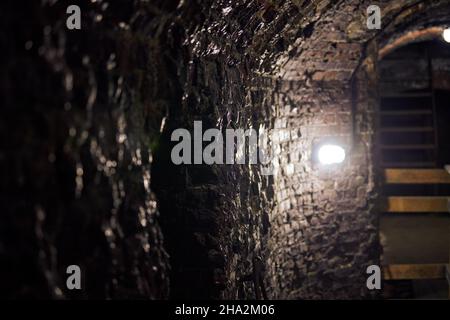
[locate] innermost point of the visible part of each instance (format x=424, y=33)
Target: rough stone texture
x=77, y=126
x=82, y=142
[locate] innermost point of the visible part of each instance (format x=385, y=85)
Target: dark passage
x=97, y=98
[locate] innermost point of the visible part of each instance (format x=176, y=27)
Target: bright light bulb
x=331, y=154
x=446, y=35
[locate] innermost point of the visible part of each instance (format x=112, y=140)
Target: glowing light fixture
x=446, y=35
x=331, y=154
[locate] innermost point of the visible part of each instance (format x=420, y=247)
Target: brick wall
x=232, y=64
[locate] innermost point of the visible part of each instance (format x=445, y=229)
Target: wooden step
x=425, y=164
x=417, y=112
x=416, y=204
x=416, y=176
x=408, y=147
x=407, y=129
x=407, y=95
x=414, y=271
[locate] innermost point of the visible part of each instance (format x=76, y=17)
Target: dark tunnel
x=92, y=118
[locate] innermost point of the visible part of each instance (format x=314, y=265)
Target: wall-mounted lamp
x=446, y=35
x=329, y=151
x=331, y=154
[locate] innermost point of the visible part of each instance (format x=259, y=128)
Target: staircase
x=408, y=130
x=409, y=153
x=416, y=204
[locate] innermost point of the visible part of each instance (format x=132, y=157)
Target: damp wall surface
x=86, y=174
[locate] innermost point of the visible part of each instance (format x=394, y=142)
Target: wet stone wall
x=79, y=120
x=85, y=129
